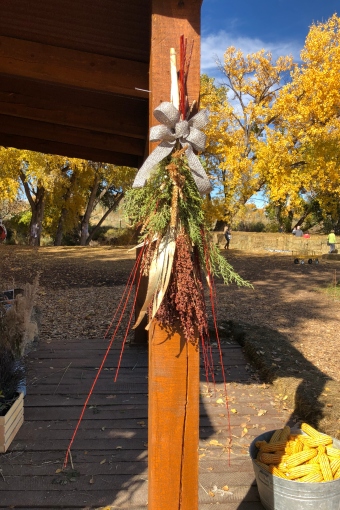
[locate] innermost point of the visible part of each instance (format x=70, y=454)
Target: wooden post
x=173, y=421
x=173, y=363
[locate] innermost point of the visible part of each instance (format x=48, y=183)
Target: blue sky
x=278, y=26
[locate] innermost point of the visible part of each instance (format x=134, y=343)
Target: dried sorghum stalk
x=184, y=300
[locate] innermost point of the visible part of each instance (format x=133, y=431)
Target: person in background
x=227, y=235
x=331, y=240
x=306, y=235
x=299, y=232
x=294, y=231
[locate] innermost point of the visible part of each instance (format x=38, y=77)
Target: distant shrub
x=256, y=226
x=272, y=227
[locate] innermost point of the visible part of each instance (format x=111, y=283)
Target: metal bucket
x=279, y=494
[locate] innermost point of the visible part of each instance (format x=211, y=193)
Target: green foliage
x=149, y=208
x=257, y=226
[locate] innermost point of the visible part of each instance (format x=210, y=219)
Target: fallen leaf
x=58, y=470
x=91, y=480
x=261, y=412
x=285, y=397
x=211, y=494
x=215, y=442
x=102, y=461
x=233, y=411
x=220, y=401
x=225, y=488
x=244, y=432
x=202, y=455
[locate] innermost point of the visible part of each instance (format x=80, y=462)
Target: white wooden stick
x=174, y=95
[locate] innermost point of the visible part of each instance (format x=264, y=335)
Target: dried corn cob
x=299, y=471
x=313, y=477
x=314, y=442
x=332, y=452
x=337, y=475
x=264, y=466
x=334, y=465
x=299, y=458
x=277, y=472
x=310, y=431
x=289, y=449
x=270, y=447
x=320, y=450
x=325, y=468
x=271, y=458
x=275, y=436
x=285, y=433
x=298, y=446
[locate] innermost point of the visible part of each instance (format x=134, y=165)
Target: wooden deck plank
x=111, y=445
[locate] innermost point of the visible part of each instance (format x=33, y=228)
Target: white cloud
x=214, y=45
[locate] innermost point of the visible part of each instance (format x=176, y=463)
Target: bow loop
x=197, y=139
x=161, y=132
x=200, y=120
x=189, y=135
x=167, y=114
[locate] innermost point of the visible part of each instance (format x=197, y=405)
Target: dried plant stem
x=174, y=206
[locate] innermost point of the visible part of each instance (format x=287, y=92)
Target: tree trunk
x=60, y=229
x=84, y=225
x=112, y=208
x=37, y=218
x=37, y=208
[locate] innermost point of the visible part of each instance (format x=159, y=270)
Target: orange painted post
x=173, y=362
x=173, y=421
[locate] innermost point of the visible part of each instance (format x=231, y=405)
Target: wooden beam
x=71, y=151
x=71, y=136
x=173, y=362
x=72, y=68
x=84, y=109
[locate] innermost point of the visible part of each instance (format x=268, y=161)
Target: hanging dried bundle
x=184, y=300
x=170, y=209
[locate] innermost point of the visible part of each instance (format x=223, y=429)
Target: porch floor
x=109, y=453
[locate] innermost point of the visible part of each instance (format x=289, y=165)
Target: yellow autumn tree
x=62, y=192
x=309, y=108
x=241, y=117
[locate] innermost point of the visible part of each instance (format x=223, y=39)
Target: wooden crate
x=11, y=423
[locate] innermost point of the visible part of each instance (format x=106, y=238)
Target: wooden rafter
x=72, y=68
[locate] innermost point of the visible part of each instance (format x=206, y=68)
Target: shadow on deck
x=109, y=453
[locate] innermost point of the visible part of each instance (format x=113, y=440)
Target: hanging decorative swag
x=166, y=205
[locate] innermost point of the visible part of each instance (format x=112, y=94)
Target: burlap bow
x=171, y=129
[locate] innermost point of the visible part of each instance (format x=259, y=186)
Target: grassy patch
x=332, y=291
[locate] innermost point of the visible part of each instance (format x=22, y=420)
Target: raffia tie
x=171, y=129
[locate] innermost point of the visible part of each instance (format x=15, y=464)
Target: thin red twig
x=134, y=272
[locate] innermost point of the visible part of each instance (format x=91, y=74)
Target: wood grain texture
x=72, y=67
x=173, y=421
